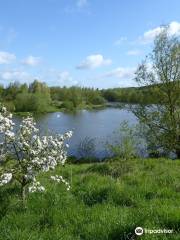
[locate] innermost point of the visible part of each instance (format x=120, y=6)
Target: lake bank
x=81, y=108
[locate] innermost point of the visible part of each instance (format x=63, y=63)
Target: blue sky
x=95, y=43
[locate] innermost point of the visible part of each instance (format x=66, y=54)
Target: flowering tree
x=26, y=154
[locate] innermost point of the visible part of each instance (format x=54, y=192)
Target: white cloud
x=81, y=3
x=121, y=73
x=120, y=41
x=32, y=61
x=174, y=29
x=15, y=75
x=59, y=78
x=151, y=34
x=129, y=83
x=118, y=77
x=134, y=52
x=6, y=58
x=94, y=61
x=64, y=76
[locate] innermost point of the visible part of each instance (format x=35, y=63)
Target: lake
x=95, y=126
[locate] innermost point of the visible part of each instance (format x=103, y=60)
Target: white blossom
x=59, y=179
x=5, y=178
x=32, y=152
x=36, y=187
x=9, y=134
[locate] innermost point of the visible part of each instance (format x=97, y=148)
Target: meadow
x=107, y=201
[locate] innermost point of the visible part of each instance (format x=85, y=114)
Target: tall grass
x=107, y=201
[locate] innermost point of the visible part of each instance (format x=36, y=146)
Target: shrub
x=86, y=148
x=26, y=154
x=126, y=142
x=67, y=105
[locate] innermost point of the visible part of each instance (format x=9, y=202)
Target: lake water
x=95, y=126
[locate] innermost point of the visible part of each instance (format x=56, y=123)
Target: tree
x=1, y=91
x=11, y=91
x=161, y=121
x=26, y=154
x=23, y=88
x=35, y=99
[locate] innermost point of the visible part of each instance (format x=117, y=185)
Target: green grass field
x=107, y=201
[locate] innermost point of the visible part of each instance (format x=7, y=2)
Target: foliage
x=68, y=105
x=125, y=142
x=26, y=154
x=161, y=121
x=23, y=98
x=75, y=97
x=38, y=97
x=86, y=148
x=131, y=95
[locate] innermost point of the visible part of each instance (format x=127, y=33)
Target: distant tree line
x=76, y=97
x=23, y=98
x=146, y=95
x=38, y=97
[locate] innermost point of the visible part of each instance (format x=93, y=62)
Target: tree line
x=26, y=98
x=133, y=95
x=38, y=97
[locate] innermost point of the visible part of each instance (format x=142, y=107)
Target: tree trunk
x=23, y=194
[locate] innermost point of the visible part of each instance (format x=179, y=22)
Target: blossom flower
x=32, y=152
x=5, y=178
x=9, y=134
x=61, y=179
x=36, y=187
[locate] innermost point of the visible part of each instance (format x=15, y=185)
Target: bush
x=97, y=100
x=31, y=102
x=115, y=170
x=10, y=106
x=126, y=142
x=86, y=148
x=68, y=105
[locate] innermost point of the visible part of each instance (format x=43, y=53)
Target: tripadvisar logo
x=139, y=231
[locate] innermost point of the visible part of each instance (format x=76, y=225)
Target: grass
x=107, y=201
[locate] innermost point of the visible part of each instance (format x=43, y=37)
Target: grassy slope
x=107, y=201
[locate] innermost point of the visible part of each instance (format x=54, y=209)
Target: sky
x=92, y=43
